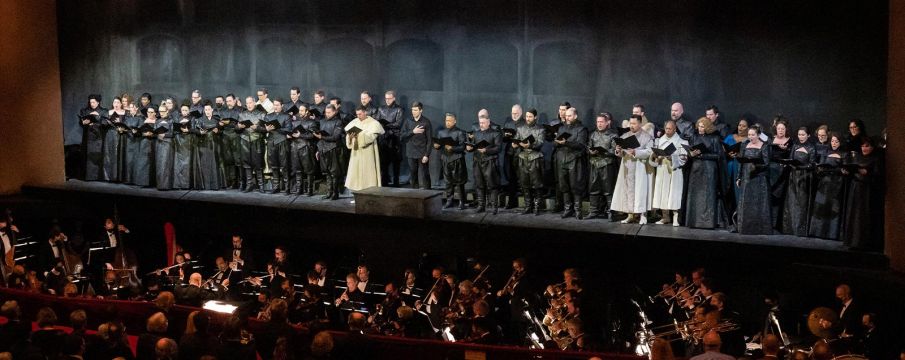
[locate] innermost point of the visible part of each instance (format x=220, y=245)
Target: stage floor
x=613, y=231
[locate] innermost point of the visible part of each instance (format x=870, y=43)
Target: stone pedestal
x=413, y=203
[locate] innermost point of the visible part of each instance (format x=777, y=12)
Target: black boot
x=577, y=207
x=568, y=204
x=276, y=181
x=299, y=187
x=259, y=180
x=537, y=202
x=529, y=201
x=481, y=200
x=558, y=205
x=595, y=207
x=288, y=180
x=249, y=184
x=462, y=197
x=334, y=180
x=242, y=179
x=310, y=185
x=450, y=196
x=330, y=188
x=495, y=201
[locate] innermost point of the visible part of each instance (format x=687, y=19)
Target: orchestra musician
x=9, y=236
x=352, y=295
x=237, y=257
x=515, y=294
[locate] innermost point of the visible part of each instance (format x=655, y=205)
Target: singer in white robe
x=364, y=162
x=631, y=195
x=668, y=183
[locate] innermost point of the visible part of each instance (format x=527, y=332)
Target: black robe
x=143, y=160
x=797, y=208
x=277, y=146
x=163, y=155
x=304, y=147
x=826, y=217
x=229, y=139
x=183, y=142
x=133, y=139
x=93, y=143
x=207, y=169
x=754, y=185
x=862, y=222
x=115, y=143
x=530, y=160
x=779, y=178
x=705, y=180
x=251, y=142
x=570, y=161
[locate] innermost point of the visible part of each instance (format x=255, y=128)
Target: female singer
x=797, y=206
x=703, y=209
x=732, y=165
x=183, y=141
x=163, y=150
x=115, y=139
x=143, y=173
x=207, y=170
x=856, y=132
x=860, y=224
x=91, y=117
x=754, y=185
x=133, y=120
x=780, y=148
x=830, y=191
x=822, y=145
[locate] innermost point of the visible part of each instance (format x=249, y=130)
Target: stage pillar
x=31, y=131
x=895, y=122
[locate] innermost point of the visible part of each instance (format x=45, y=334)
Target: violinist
x=436, y=297
x=515, y=293
x=386, y=313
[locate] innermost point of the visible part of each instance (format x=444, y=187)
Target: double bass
x=72, y=262
x=9, y=256
x=124, y=261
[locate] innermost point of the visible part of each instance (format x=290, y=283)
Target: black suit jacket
x=850, y=321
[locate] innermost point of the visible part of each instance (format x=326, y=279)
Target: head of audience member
x=10, y=310
x=322, y=344
x=357, y=322
x=166, y=349
x=279, y=310
x=78, y=320
x=712, y=341
x=165, y=301
x=158, y=323
x=770, y=345
x=46, y=318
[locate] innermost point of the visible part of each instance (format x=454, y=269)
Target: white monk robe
x=668, y=188
x=364, y=163
x=632, y=191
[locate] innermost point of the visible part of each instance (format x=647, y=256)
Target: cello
x=124, y=261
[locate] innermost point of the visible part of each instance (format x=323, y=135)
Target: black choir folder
x=668, y=151
x=527, y=140
x=732, y=148
x=564, y=136
x=446, y=141
x=354, y=130
x=630, y=142
x=699, y=147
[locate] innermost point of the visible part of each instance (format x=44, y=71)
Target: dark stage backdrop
x=814, y=61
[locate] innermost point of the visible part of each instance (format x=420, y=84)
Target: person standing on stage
x=390, y=117
x=571, y=163
x=277, y=146
x=668, y=183
x=364, y=162
x=91, y=117
x=329, y=150
x=632, y=183
x=452, y=159
x=251, y=141
x=528, y=143
x=486, y=143
x=416, y=135
x=603, y=163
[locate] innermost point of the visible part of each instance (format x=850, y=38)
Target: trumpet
x=662, y=293
x=684, y=289
x=555, y=290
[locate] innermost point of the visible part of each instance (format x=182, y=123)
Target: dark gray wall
x=813, y=61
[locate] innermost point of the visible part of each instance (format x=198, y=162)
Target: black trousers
x=420, y=173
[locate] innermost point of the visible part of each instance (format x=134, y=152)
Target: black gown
x=826, y=217
x=143, y=158
x=779, y=178
x=703, y=209
x=207, y=169
x=163, y=155
x=862, y=227
x=133, y=139
x=183, y=142
x=93, y=143
x=797, y=207
x=115, y=142
x=754, y=185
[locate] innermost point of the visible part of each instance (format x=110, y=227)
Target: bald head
x=357, y=321
x=676, y=111
x=843, y=292
x=712, y=341
x=195, y=279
